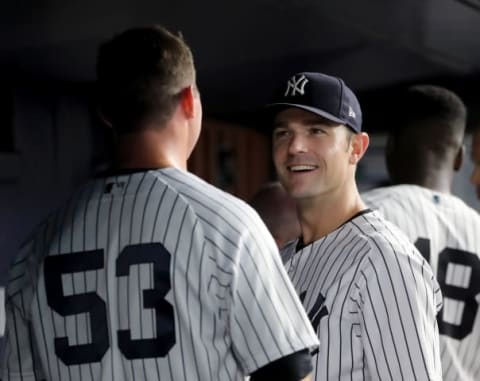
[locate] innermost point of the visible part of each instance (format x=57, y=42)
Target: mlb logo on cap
x=323, y=95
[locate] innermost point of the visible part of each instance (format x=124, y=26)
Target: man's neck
x=438, y=181
x=322, y=215
x=151, y=148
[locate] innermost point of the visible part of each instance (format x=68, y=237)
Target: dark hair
x=426, y=133
x=141, y=74
x=423, y=110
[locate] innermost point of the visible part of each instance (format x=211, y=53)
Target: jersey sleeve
x=21, y=359
x=398, y=298
x=267, y=320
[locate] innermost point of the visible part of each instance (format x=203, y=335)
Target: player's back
x=133, y=280
x=446, y=232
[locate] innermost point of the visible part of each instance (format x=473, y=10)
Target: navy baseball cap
x=323, y=95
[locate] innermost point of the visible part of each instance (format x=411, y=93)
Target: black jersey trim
x=301, y=245
x=293, y=367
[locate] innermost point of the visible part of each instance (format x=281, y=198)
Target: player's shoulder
x=460, y=207
x=394, y=193
x=23, y=269
x=211, y=204
x=391, y=250
x=384, y=239
x=179, y=182
x=372, y=225
x=353, y=236
x=191, y=186
x=32, y=250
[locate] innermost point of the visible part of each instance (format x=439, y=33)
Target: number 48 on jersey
x=458, y=273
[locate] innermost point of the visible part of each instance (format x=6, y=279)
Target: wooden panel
x=231, y=157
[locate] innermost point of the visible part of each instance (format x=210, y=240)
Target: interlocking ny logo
x=316, y=313
x=296, y=86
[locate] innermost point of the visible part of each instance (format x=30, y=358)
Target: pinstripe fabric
x=372, y=299
x=229, y=304
x=452, y=230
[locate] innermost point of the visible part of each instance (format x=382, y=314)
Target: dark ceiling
x=245, y=49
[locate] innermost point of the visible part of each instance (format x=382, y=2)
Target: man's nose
x=297, y=144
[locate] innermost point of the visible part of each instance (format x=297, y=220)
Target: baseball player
x=278, y=212
x=370, y=295
x=149, y=273
x=424, y=149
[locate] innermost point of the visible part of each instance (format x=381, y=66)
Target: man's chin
x=300, y=195
x=299, y=192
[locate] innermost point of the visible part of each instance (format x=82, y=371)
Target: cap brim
x=270, y=107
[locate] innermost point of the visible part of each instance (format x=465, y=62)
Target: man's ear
x=457, y=164
x=187, y=101
x=359, y=145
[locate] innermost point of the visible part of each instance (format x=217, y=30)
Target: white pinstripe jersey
x=447, y=232
x=372, y=299
x=151, y=276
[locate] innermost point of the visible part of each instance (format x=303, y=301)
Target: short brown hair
x=141, y=73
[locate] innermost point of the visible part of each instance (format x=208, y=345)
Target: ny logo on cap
x=296, y=86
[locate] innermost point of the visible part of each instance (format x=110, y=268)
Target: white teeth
x=296, y=168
